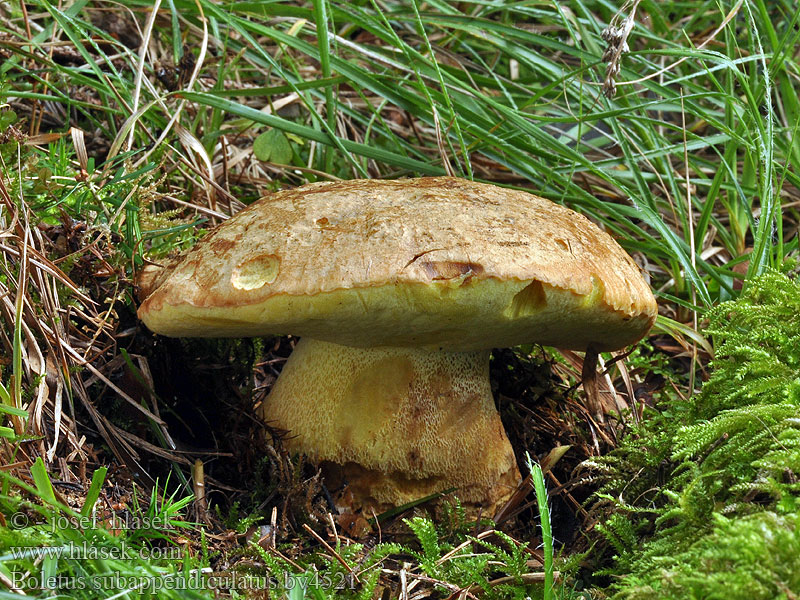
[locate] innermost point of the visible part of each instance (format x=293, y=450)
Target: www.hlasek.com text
x=88, y=551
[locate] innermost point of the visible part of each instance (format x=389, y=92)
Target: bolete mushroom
x=399, y=290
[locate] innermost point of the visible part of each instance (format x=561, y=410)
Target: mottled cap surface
x=431, y=262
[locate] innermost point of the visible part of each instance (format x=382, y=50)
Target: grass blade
x=547, y=534
x=42, y=481
x=94, y=490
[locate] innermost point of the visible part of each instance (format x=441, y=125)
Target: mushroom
x=399, y=290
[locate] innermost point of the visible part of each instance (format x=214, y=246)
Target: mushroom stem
x=397, y=424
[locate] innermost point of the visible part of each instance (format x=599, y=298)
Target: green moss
x=740, y=558
x=712, y=484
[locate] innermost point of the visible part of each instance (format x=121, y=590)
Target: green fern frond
x=428, y=537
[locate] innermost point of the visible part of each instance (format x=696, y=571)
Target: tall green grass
x=511, y=91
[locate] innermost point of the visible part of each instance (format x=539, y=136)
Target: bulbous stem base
x=395, y=424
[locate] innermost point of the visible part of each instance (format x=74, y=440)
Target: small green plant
x=352, y=573
x=491, y=564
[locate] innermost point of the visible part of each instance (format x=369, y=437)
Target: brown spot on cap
x=220, y=245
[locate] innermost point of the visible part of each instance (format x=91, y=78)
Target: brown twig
x=333, y=552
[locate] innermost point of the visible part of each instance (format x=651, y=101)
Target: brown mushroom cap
x=432, y=262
